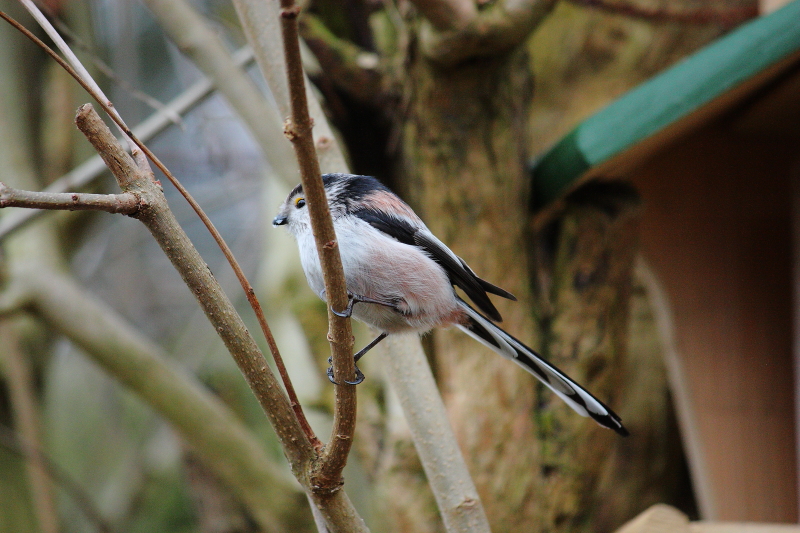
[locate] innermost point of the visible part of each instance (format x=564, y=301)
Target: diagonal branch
x=158, y=218
x=195, y=38
x=350, y=67
x=93, y=167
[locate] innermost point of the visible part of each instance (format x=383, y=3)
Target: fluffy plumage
x=390, y=257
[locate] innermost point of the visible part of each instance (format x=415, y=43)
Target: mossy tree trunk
x=465, y=147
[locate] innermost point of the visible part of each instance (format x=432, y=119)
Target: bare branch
x=349, y=66
x=78, y=69
x=328, y=473
x=261, y=23
x=124, y=204
x=195, y=273
x=103, y=67
x=412, y=381
x=114, y=156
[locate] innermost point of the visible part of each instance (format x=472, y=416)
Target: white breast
x=382, y=268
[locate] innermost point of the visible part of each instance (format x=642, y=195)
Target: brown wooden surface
x=665, y=519
x=716, y=229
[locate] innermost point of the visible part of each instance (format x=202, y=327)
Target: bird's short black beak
x=279, y=220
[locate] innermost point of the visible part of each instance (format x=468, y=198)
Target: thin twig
x=78, y=69
x=124, y=204
x=89, y=170
x=299, y=131
x=88, y=85
x=105, y=68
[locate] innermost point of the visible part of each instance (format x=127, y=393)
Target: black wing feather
x=457, y=270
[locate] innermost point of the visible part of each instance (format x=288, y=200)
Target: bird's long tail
x=484, y=331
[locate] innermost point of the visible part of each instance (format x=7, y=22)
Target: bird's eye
x=300, y=202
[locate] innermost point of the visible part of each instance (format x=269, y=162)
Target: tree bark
x=465, y=147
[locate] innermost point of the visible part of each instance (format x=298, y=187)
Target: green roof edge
x=666, y=98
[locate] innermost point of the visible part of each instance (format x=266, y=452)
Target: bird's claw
x=351, y=301
x=359, y=375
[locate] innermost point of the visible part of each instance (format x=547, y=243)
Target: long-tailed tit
x=401, y=278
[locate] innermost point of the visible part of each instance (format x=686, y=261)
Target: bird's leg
x=361, y=353
x=356, y=298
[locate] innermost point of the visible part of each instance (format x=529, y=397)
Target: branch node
x=325, y=488
x=289, y=131
x=290, y=12
x=324, y=143
x=329, y=245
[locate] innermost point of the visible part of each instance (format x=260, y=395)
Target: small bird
x=401, y=278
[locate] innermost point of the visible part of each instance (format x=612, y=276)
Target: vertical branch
x=26, y=420
x=260, y=21
x=412, y=381
x=340, y=335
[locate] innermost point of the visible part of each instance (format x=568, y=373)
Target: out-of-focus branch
x=77, y=71
x=82, y=74
x=192, y=34
x=93, y=167
x=31, y=452
x=445, y=468
x=25, y=412
x=327, y=476
x=124, y=204
x=261, y=23
x=78, y=44
x=350, y=67
x=214, y=432
x=494, y=28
